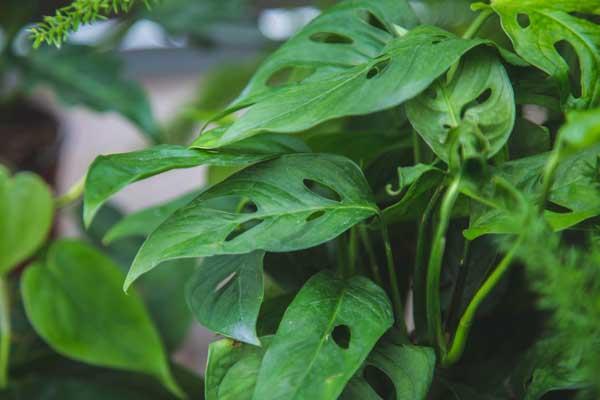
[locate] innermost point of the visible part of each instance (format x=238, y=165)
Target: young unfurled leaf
x=405, y=67
x=75, y=303
x=26, y=211
x=293, y=202
x=225, y=294
x=109, y=174
x=475, y=112
x=232, y=369
x=325, y=335
x=541, y=29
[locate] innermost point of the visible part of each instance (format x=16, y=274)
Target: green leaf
x=285, y=211
x=406, y=66
x=109, y=174
x=325, y=335
x=232, y=369
x=26, y=212
x=82, y=75
x=74, y=301
x=475, y=111
x=142, y=223
x=580, y=132
x=537, y=28
x=359, y=389
x=409, y=367
x=225, y=294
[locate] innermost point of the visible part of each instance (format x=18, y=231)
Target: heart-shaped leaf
x=405, y=66
x=26, y=211
x=474, y=112
x=109, y=174
x=538, y=29
x=293, y=202
x=325, y=335
x=225, y=294
x=232, y=369
x=75, y=303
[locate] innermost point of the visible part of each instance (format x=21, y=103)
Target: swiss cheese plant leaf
x=111, y=173
x=574, y=195
x=474, y=112
x=325, y=335
x=293, y=202
x=225, y=294
x=232, y=369
x=405, y=66
x=538, y=30
x=82, y=75
x=75, y=303
x=142, y=223
x=26, y=211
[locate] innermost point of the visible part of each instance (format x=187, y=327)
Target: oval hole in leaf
x=569, y=54
x=557, y=208
x=341, y=336
x=230, y=204
x=484, y=96
x=322, y=190
x=523, y=20
x=378, y=68
x=315, y=215
x=380, y=382
x=331, y=37
x=289, y=75
x=243, y=228
x=372, y=20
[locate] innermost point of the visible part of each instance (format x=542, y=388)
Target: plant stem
x=72, y=195
x=548, y=178
x=459, y=287
x=420, y=273
x=464, y=326
x=364, y=237
x=434, y=268
x=396, y=296
x=5, y=332
x=352, y=252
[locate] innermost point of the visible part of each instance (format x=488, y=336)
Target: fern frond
x=55, y=29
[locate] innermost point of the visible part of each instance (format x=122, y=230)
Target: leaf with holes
x=406, y=66
x=293, y=202
x=475, y=112
x=545, y=32
x=325, y=335
x=26, y=211
x=232, y=369
x=225, y=294
x=109, y=174
x=74, y=301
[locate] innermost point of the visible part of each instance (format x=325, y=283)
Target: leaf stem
x=434, y=267
x=72, y=195
x=364, y=237
x=396, y=296
x=5, y=332
x=459, y=341
x=477, y=23
x=548, y=178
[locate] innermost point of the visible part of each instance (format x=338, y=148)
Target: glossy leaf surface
x=109, y=174
x=474, y=112
x=26, y=211
x=225, y=294
x=325, y=335
x=285, y=211
x=75, y=302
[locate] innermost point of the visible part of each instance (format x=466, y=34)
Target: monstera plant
x=396, y=210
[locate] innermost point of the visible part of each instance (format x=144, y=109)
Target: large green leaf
x=325, y=335
x=26, y=211
x=109, y=174
x=285, y=211
x=75, y=302
x=82, y=75
x=225, y=294
x=474, y=112
x=537, y=28
x=406, y=66
x=232, y=369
